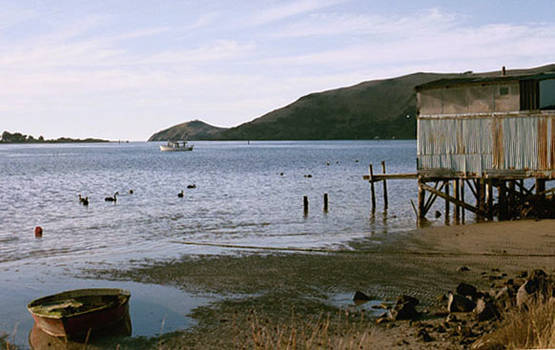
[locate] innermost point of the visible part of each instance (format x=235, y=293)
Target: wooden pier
x=493, y=198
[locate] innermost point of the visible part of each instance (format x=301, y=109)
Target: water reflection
x=98, y=339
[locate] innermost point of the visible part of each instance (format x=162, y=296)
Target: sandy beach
x=273, y=285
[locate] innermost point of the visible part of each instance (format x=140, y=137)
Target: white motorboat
x=176, y=146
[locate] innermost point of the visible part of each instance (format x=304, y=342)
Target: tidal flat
x=291, y=292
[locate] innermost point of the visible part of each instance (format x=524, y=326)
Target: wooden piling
x=502, y=194
x=421, y=198
x=480, y=198
x=446, y=189
x=373, y=193
x=325, y=202
x=512, y=198
x=540, y=186
x=305, y=205
x=384, y=187
x=462, y=200
x=490, y=199
x=456, y=187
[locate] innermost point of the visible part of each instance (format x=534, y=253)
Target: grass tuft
x=533, y=328
x=345, y=331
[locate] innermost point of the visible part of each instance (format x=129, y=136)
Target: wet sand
x=423, y=264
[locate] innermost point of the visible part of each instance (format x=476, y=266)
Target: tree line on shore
x=18, y=137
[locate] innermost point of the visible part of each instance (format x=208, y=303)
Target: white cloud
x=335, y=24
x=290, y=9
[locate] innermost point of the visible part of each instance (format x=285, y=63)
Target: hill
x=372, y=109
x=194, y=130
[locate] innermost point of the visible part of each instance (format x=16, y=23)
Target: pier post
x=446, y=189
x=305, y=205
x=481, y=198
x=456, y=185
x=421, y=198
x=540, y=186
x=325, y=202
x=502, y=193
x=490, y=199
x=462, y=200
x=384, y=187
x=373, y=193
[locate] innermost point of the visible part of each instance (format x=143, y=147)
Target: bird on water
x=180, y=194
x=112, y=199
x=84, y=201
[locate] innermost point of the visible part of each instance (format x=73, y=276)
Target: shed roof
x=485, y=78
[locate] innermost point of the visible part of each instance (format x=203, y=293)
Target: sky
x=124, y=69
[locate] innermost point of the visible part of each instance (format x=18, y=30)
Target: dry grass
x=527, y=329
x=5, y=344
x=345, y=331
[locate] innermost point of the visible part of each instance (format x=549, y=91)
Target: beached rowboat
x=73, y=313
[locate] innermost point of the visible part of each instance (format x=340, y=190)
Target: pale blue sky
x=125, y=69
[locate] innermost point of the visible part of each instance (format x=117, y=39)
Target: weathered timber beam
x=381, y=177
x=452, y=199
x=432, y=198
x=472, y=189
x=543, y=193
x=523, y=188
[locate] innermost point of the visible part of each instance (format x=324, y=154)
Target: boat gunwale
x=80, y=293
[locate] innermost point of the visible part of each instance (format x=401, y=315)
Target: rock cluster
x=471, y=313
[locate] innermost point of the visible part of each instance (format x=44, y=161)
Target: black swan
x=112, y=199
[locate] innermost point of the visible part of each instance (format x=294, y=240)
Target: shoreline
x=423, y=264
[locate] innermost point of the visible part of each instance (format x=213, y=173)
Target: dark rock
x=405, y=308
x=442, y=298
x=465, y=331
x=505, y=298
x=522, y=274
x=537, y=274
x=440, y=329
x=463, y=269
x=495, y=277
x=407, y=299
x=485, y=310
x=404, y=312
x=424, y=336
x=360, y=296
x=440, y=314
x=466, y=290
x=459, y=303
x=538, y=285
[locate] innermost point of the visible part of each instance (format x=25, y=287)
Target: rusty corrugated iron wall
x=483, y=144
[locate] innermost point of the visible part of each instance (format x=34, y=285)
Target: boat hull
x=79, y=324
x=176, y=149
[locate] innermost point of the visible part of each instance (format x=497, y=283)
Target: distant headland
x=17, y=137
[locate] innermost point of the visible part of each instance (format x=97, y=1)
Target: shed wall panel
x=476, y=146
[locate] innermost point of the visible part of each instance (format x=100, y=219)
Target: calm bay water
x=240, y=198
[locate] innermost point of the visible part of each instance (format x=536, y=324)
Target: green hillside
x=382, y=109
x=193, y=130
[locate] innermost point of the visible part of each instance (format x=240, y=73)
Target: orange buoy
x=38, y=232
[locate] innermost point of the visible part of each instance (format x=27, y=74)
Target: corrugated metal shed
x=473, y=127
x=488, y=145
